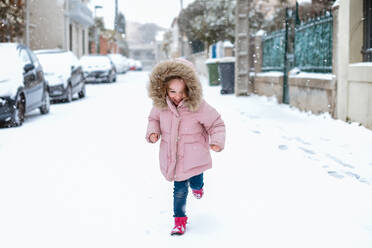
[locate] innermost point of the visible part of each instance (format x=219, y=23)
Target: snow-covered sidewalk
x=84, y=176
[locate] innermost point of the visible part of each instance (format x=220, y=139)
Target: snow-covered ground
x=84, y=176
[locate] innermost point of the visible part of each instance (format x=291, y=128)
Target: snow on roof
x=227, y=44
x=8, y=44
x=56, y=50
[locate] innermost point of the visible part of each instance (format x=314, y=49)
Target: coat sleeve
x=213, y=124
x=153, y=125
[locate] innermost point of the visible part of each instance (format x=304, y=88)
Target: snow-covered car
x=132, y=64
x=63, y=72
x=98, y=68
x=138, y=65
x=119, y=61
x=23, y=87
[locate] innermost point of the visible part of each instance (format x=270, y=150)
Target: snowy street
x=84, y=176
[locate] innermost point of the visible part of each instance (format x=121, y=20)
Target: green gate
x=306, y=45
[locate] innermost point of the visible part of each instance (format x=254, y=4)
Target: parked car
x=98, y=68
x=138, y=65
x=119, y=62
x=23, y=87
x=63, y=72
x=132, y=64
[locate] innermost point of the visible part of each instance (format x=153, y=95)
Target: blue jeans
x=181, y=189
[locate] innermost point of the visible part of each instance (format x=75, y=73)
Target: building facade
x=353, y=67
x=59, y=24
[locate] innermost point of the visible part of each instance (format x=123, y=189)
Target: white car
x=132, y=64
x=23, y=87
x=63, y=72
x=119, y=61
x=138, y=65
x=98, y=68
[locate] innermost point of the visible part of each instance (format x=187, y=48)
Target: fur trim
x=157, y=88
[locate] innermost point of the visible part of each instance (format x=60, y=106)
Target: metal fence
x=273, y=51
x=313, y=44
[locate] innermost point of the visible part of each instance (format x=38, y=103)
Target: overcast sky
x=160, y=12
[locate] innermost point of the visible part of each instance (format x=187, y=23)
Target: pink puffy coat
x=187, y=130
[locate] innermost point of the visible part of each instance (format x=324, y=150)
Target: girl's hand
x=154, y=137
x=215, y=148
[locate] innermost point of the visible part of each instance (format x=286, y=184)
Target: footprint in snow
x=301, y=141
x=356, y=176
x=352, y=174
x=307, y=150
x=339, y=161
x=283, y=147
x=335, y=174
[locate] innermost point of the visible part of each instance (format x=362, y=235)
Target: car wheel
x=19, y=112
x=46, y=105
x=83, y=92
x=69, y=94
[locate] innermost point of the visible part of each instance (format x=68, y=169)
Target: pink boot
x=179, y=226
x=198, y=193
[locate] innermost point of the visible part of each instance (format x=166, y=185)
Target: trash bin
x=212, y=65
x=227, y=74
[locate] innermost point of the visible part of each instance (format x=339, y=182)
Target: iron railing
x=273, y=51
x=313, y=44
x=312, y=47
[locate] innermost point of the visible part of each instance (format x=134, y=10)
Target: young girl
x=188, y=127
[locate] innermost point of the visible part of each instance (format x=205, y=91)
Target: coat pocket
x=163, y=156
x=195, y=155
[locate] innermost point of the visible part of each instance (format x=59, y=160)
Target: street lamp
x=95, y=25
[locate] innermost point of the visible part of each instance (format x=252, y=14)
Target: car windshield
x=11, y=66
x=95, y=61
x=55, y=62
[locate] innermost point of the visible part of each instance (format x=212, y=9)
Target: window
x=25, y=57
x=367, y=32
x=33, y=57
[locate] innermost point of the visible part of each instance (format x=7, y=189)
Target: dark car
x=98, y=68
x=63, y=72
x=22, y=84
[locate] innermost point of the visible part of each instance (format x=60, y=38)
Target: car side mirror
x=28, y=67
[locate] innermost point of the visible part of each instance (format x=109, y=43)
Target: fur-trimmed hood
x=157, y=88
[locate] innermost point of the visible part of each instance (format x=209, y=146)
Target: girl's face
x=176, y=90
